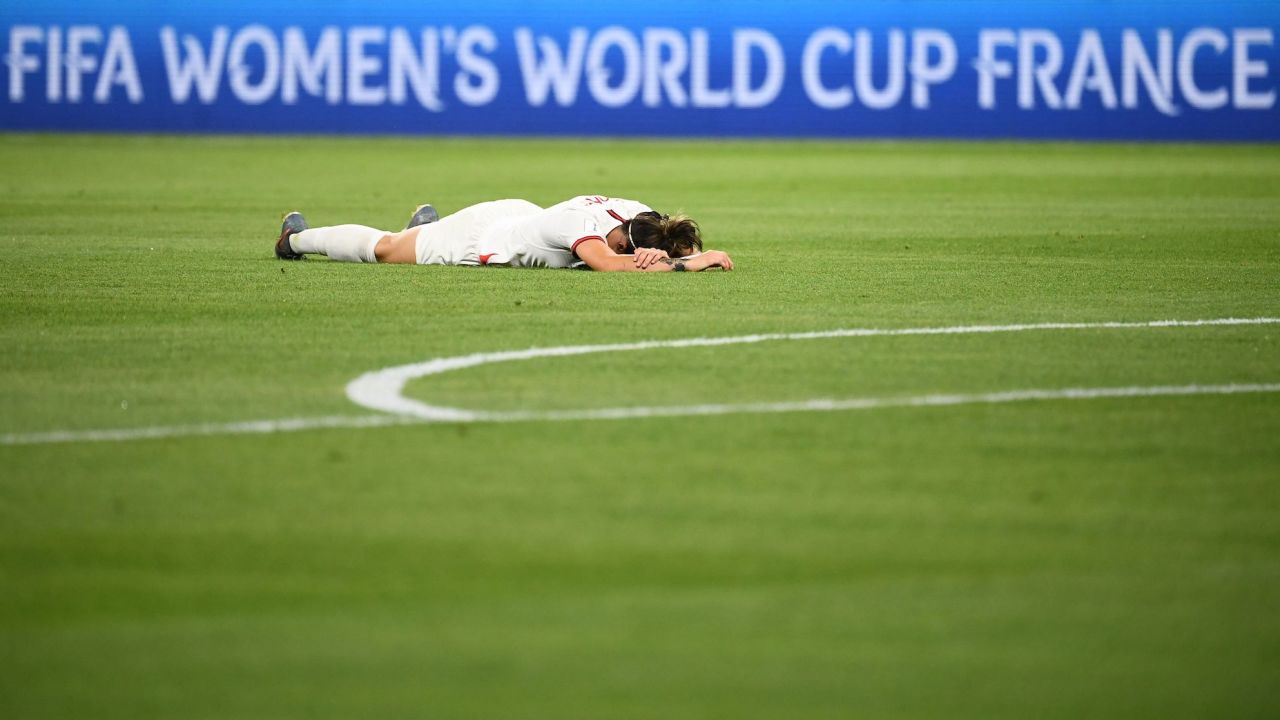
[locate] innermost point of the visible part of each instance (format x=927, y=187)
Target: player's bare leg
x=401, y=247
x=352, y=243
x=347, y=243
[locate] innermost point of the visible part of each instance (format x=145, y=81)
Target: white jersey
x=519, y=233
x=608, y=212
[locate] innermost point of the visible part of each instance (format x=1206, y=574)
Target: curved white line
x=383, y=390
x=366, y=421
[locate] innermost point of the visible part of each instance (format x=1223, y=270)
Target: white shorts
x=453, y=239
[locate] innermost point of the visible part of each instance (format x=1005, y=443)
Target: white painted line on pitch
x=821, y=405
x=245, y=427
x=384, y=389
x=828, y=405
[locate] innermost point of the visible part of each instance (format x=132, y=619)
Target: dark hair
x=677, y=234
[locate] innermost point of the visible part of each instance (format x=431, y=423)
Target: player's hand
x=709, y=259
x=644, y=257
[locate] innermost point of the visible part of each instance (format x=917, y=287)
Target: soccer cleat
x=293, y=223
x=423, y=215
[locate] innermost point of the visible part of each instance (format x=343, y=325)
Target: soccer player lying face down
x=677, y=234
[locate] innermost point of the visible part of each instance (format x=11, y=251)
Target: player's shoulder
x=634, y=207
x=564, y=217
x=592, y=202
x=584, y=201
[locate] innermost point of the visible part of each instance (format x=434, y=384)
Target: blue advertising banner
x=1139, y=69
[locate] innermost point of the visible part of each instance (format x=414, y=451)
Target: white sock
x=348, y=243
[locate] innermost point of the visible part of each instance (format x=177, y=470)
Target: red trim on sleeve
x=616, y=216
x=583, y=239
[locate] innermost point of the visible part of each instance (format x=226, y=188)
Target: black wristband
x=677, y=266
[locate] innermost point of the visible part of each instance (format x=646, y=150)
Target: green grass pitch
x=1052, y=559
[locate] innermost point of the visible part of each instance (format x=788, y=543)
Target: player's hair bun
x=677, y=234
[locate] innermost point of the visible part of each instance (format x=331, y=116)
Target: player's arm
x=704, y=261
x=645, y=256
x=597, y=255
